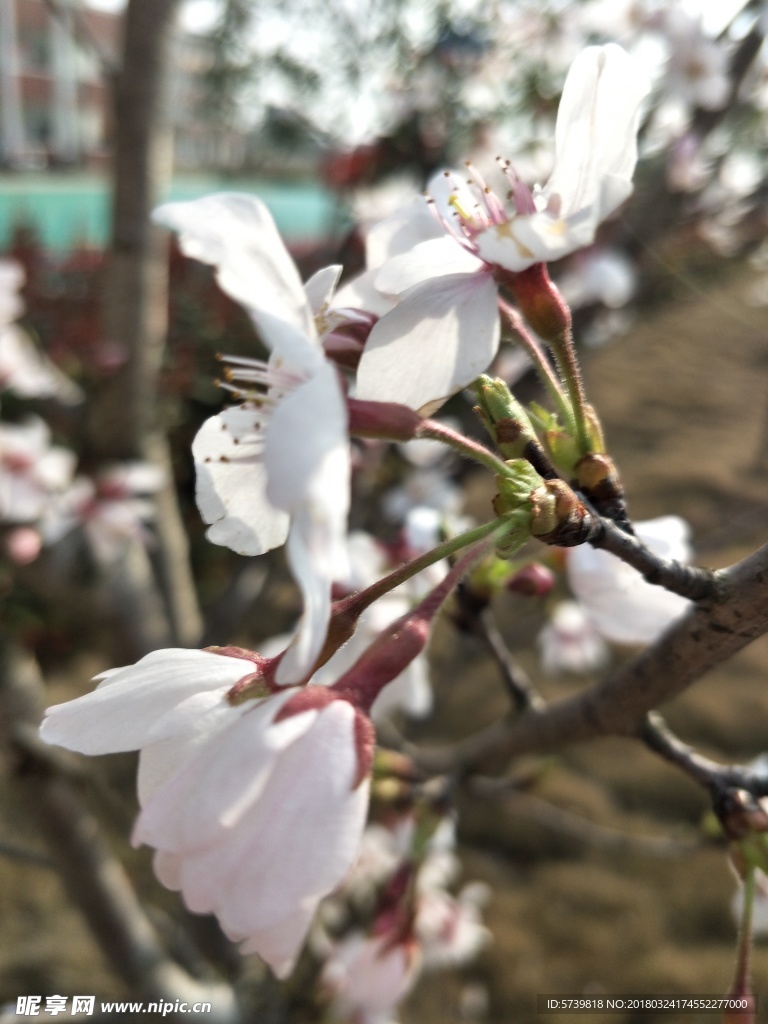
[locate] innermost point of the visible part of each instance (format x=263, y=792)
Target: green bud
x=504, y=417
x=560, y=443
x=516, y=487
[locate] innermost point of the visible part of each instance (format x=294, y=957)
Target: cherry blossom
x=570, y=642
x=622, y=605
x=112, y=508
x=276, y=467
x=368, y=976
x=23, y=368
x=32, y=471
x=256, y=809
x=444, y=330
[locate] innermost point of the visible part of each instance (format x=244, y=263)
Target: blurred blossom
x=23, y=368
x=12, y=278
x=430, y=488
x=697, y=66
x=32, y=471
x=688, y=167
x=570, y=642
x=22, y=544
x=621, y=604
x=598, y=275
x=450, y=928
x=368, y=976
x=111, y=508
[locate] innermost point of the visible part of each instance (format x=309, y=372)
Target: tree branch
x=708, y=635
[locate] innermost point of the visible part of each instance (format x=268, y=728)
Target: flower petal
x=232, y=479
x=622, y=605
x=596, y=132
x=434, y=258
x=122, y=711
x=320, y=287
x=259, y=877
x=439, y=337
x=235, y=233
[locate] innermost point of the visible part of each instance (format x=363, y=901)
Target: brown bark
x=135, y=292
x=708, y=635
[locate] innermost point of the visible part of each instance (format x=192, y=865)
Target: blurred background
x=606, y=875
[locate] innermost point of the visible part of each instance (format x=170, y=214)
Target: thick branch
x=705, y=637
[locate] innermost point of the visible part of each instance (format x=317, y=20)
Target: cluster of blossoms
x=42, y=496
x=255, y=768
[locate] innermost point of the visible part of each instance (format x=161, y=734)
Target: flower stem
x=741, y=987
x=541, y=364
x=357, y=603
x=437, y=431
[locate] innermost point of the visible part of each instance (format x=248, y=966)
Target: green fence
x=67, y=210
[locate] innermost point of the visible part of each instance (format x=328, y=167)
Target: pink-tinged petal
x=435, y=258
x=178, y=735
x=320, y=287
x=437, y=340
x=237, y=235
x=195, y=807
x=280, y=941
x=309, y=804
x=596, y=132
x=297, y=832
x=167, y=867
x=231, y=485
x=122, y=711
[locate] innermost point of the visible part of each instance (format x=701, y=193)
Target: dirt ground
x=577, y=907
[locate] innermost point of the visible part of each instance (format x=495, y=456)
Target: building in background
x=54, y=94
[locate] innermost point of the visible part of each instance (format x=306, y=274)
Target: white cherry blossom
x=444, y=330
x=368, y=976
x=275, y=468
x=256, y=810
x=23, y=368
x=570, y=642
x=32, y=470
x=112, y=508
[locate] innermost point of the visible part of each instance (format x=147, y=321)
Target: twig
x=689, y=581
x=573, y=826
x=175, y=569
x=657, y=736
x=20, y=853
x=518, y=685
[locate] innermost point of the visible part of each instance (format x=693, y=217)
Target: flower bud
x=539, y=301
x=508, y=423
x=533, y=580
